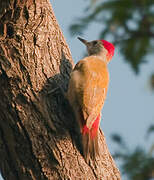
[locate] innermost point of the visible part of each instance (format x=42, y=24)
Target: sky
x=129, y=107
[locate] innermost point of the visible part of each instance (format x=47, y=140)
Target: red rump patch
x=94, y=128
x=85, y=130
x=109, y=46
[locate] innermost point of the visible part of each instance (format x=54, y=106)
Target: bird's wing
x=92, y=87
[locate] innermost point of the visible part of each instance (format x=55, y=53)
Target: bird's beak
x=83, y=41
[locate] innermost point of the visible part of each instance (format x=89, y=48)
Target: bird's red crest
x=109, y=47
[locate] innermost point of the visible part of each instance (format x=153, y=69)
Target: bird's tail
x=90, y=140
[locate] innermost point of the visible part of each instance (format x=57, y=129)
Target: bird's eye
x=94, y=43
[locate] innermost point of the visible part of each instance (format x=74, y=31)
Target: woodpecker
x=87, y=92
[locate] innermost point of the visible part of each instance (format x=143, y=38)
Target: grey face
x=94, y=47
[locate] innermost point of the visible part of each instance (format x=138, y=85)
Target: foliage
x=137, y=164
x=130, y=24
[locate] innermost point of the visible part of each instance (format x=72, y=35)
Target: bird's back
x=90, y=76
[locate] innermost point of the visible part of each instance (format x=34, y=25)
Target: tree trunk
x=38, y=135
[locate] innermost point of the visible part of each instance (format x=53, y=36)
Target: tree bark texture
x=39, y=137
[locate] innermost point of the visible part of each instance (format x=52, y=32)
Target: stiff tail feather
x=90, y=140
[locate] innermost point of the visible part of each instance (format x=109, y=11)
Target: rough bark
x=38, y=135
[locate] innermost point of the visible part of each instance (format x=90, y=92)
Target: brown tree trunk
x=38, y=135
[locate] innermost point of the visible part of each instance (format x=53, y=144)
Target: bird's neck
x=102, y=58
x=102, y=55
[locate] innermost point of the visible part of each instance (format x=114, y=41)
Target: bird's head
x=101, y=48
